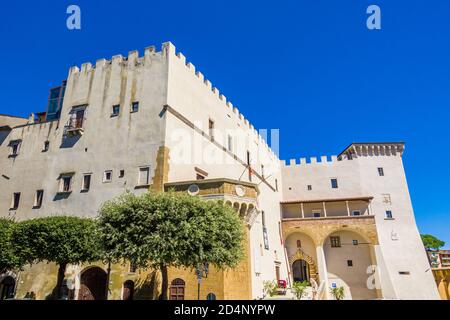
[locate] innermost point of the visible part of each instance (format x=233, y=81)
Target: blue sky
x=310, y=68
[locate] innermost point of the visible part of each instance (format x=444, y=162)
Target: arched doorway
x=300, y=270
x=7, y=286
x=128, y=290
x=177, y=289
x=92, y=284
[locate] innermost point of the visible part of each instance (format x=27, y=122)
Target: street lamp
x=201, y=271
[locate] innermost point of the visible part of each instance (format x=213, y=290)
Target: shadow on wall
x=148, y=287
x=69, y=142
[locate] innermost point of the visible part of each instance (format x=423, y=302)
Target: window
x=177, y=289
x=356, y=213
x=86, y=182
x=248, y=166
x=133, y=268
x=334, y=183
x=15, y=145
x=317, y=213
x=135, y=106
x=211, y=129
x=388, y=214
x=276, y=184
x=309, y=187
x=381, y=172
x=76, y=118
x=38, y=198
x=265, y=235
x=299, y=244
x=211, y=296
x=15, y=200
x=121, y=173
x=230, y=143
x=404, y=273
x=46, y=146
x=107, y=176
x=335, y=242
x=355, y=242
x=144, y=176
x=115, y=110
x=349, y=263
x=199, y=176
x=65, y=183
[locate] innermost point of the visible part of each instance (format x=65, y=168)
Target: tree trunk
x=60, y=280
x=164, y=283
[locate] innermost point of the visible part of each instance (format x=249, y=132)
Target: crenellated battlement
x=310, y=161
x=168, y=50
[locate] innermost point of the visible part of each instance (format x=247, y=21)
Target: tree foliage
x=59, y=239
x=9, y=260
x=431, y=242
x=170, y=229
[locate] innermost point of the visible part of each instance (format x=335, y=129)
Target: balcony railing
x=74, y=127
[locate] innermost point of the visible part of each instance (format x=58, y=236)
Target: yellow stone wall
x=442, y=277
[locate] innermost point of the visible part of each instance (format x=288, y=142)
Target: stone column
x=348, y=208
x=303, y=210
x=322, y=269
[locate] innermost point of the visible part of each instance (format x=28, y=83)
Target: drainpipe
x=108, y=273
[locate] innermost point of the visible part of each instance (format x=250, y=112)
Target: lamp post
x=201, y=271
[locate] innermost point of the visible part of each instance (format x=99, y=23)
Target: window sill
x=114, y=115
x=131, y=111
x=84, y=190
x=142, y=186
x=64, y=192
x=36, y=207
x=389, y=218
x=12, y=155
x=13, y=209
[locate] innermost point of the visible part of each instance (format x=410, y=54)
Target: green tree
x=338, y=293
x=61, y=239
x=9, y=260
x=431, y=242
x=161, y=230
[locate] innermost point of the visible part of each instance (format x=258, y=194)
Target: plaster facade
x=154, y=122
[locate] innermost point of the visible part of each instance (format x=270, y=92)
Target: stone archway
x=301, y=255
x=93, y=284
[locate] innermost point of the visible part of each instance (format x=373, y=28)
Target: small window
x=381, y=172
x=211, y=129
x=86, y=182
x=211, y=296
x=262, y=171
x=65, y=183
x=355, y=242
x=46, y=146
x=133, y=268
x=317, y=213
x=356, y=213
x=309, y=187
x=135, y=106
x=335, y=242
x=15, y=145
x=299, y=244
x=38, y=198
x=200, y=177
x=334, y=183
x=115, y=110
x=388, y=214
x=404, y=273
x=349, y=263
x=230, y=143
x=121, y=173
x=107, y=176
x=144, y=176
x=15, y=200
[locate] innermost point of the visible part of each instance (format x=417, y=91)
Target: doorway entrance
x=300, y=270
x=7, y=286
x=93, y=284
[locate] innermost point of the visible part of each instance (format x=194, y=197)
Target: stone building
x=154, y=122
